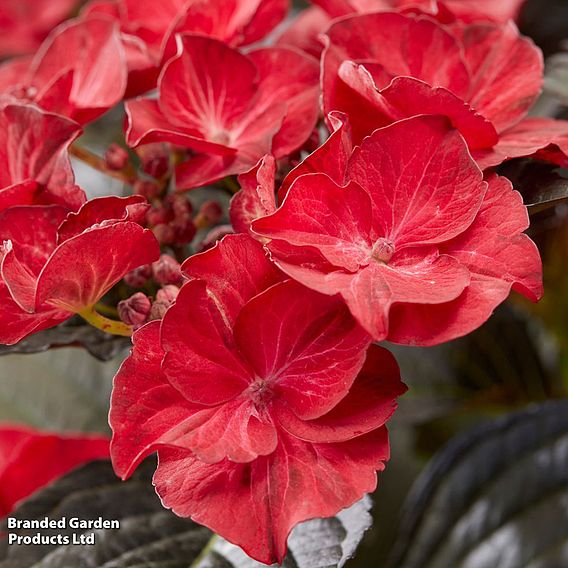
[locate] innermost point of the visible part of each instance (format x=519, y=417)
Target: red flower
x=464, y=10
x=421, y=249
x=257, y=398
x=148, y=28
x=256, y=197
x=379, y=68
x=24, y=24
x=67, y=262
x=230, y=109
x=30, y=459
x=79, y=71
x=35, y=165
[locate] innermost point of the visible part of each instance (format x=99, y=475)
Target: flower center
x=260, y=393
x=220, y=136
x=383, y=250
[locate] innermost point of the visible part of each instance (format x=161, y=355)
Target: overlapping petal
x=230, y=109
x=255, y=394
x=384, y=240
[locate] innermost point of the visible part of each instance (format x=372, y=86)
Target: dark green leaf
x=542, y=185
x=152, y=537
x=496, y=496
x=73, y=333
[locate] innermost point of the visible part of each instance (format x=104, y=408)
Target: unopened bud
x=147, y=189
x=165, y=297
x=158, y=214
x=166, y=270
x=180, y=205
x=184, y=231
x=139, y=276
x=116, y=157
x=135, y=311
x=155, y=160
x=209, y=214
x=164, y=234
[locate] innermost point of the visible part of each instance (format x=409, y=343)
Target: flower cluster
x=255, y=373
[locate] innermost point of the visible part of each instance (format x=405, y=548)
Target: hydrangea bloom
x=279, y=416
x=30, y=459
x=465, y=10
x=419, y=246
x=230, y=109
x=68, y=262
x=380, y=68
x=79, y=71
x=35, y=164
x=148, y=28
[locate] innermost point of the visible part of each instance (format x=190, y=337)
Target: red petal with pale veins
x=200, y=352
x=237, y=259
x=299, y=481
x=256, y=197
x=92, y=50
x=305, y=346
x=368, y=405
x=424, y=184
x=85, y=267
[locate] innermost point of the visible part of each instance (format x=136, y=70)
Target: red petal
x=201, y=360
x=77, y=274
x=525, y=139
x=395, y=42
x=146, y=411
x=34, y=145
x=424, y=185
x=288, y=76
x=506, y=70
x=148, y=124
x=498, y=256
x=32, y=248
x=18, y=194
x=103, y=209
x=31, y=459
x=237, y=259
x=330, y=158
x=306, y=346
x=501, y=11
x=299, y=481
x=304, y=30
x=367, y=406
x=93, y=51
x=16, y=324
x=207, y=87
x=320, y=214
x=256, y=197
x=368, y=108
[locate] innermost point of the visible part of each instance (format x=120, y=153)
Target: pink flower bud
x=180, y=205
x=147, y=189
x=164, y=299
x=116, y=157
x=184, y=231
x=157, y=215
x=139, y=276
x=165, y=234
x=155, y=160
x=135, y=311
x=166, y=270
x=209, y=214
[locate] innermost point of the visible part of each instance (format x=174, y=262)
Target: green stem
x=104, y=324
x=205, y=552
